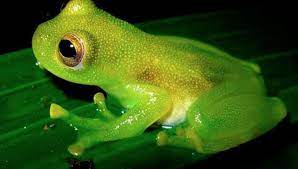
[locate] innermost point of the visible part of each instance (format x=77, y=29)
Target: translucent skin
x=211, y=100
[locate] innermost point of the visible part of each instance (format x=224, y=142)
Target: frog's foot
x=99, y=100
x=181, y=137
x=88, y=128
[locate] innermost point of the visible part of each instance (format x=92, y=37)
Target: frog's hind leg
x=233, y=113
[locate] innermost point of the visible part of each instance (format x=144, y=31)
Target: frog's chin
x=66, y=77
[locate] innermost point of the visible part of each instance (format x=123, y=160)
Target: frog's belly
x=177, y=115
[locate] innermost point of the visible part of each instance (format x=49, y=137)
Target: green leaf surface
x=27, y=141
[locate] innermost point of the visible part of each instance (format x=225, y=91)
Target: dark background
x=20, y=18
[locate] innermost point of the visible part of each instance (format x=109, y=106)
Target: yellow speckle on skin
x=75, y=8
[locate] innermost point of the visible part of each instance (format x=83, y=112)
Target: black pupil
x=67, y=49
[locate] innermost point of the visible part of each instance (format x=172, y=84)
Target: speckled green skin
x=211, y=100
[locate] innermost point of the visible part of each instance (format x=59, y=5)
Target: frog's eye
x=71, y=50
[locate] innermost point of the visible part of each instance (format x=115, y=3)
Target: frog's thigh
x=222, y=121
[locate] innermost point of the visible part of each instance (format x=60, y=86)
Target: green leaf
x=29, y=139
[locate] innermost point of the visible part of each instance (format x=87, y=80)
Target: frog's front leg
x=149, y=104
x=57, y=112
x=77, y=122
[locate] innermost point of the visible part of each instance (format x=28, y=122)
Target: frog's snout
x=37, y=41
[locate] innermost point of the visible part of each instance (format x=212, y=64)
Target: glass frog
x=210, y=100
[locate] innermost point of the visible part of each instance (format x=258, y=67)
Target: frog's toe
x=162, y=138
x=99, y=98
x=76, y=149
x=85, y=140
x=57, y=111
x=184, y=138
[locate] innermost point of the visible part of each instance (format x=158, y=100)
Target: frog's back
x=191, y=67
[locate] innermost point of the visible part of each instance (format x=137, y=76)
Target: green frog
x=205, y=99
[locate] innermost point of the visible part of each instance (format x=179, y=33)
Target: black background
x=20, y=18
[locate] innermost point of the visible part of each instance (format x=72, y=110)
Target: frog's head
x=79, y=44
